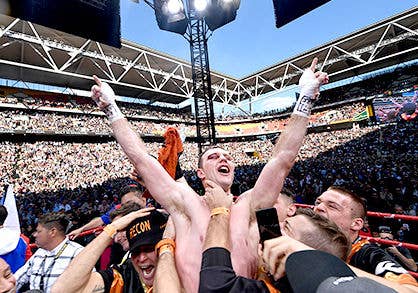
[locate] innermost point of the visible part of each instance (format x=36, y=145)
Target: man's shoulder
x=75, y=248
x=370, y=248
x=75, y=244
x=375, y=260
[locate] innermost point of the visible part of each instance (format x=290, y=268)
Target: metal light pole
x=194, y=25
x=202, y=85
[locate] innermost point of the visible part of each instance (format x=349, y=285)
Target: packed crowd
x=209, y=243
x=42, y=121
x=65, y=124
x=85, y=105
x=381, y=158
x=341, y=113
x=390, y=82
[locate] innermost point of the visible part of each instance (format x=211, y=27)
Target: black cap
x=146, y=230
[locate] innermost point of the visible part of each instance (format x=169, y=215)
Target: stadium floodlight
x=171, y=16
x=221, y=12
x=200, y=5
x=193, y=24
x=174, y=6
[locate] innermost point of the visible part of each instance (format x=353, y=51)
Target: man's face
x=144, y=260
x=387, y=236
x=297, y=227
x=399, y=210
x=7, y=280
x=42, y=236
x=133, y=197
x=217, y=166
x=336, y=207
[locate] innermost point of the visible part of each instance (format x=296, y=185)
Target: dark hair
x=58, y=221
x=359, y=211
x=328, y=237
x=290, y=196
x=3, y=214
x=130, y=188
x=125, y=209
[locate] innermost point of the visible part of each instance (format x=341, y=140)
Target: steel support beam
x=202, y=85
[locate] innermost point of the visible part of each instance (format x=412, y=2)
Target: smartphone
x=268, y=224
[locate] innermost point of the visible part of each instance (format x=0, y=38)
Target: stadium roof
x=33, y=53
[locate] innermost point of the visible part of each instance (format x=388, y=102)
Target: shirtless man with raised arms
x=189, y=211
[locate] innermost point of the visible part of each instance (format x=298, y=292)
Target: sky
x=252, y=42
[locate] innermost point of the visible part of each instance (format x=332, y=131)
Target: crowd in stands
x=85, y=105
x=60, y=123
x=42, y=121
x=390, y=82
x=382, y=159
x=341, y=113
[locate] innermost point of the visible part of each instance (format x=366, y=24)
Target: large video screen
x=396, y=108
x=91, y=19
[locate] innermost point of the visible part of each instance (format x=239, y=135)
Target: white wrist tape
x=113, y=112
x=303, y=106
x=308, y=86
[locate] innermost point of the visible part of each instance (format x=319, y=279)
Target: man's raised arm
x=163, y=188
x=270, y=182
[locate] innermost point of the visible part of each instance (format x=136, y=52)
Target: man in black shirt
x=144, y=228
x=399, y=253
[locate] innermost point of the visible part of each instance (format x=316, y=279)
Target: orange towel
x=168, y=155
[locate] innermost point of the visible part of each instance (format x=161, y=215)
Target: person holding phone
x=305, y=231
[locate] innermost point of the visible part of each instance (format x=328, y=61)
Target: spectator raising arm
x=79, y=277
x=96, y=222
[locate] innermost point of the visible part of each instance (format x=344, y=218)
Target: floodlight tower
x=194, y=19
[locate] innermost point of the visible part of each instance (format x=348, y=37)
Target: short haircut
x=124, y=210
x=327, y=237
x=3, y=214
x=58, y=221
x=288, y=194
x=130, y=188
x=359, y=209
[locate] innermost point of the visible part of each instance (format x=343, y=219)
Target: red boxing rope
x=392, y=216
x=85, y=233
x=391, y=242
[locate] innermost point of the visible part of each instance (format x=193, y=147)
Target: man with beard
x=54, y=254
